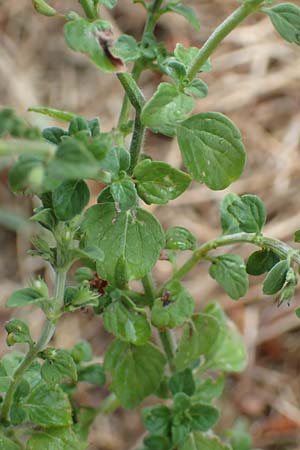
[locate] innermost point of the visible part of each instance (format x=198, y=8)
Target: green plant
x=116, y=241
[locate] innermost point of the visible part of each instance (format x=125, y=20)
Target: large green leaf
x=48, y=406
x=55, y=439
x=200, y=441
x=70, y=198
x=84, y=36
x=165, y=108
x=212, y=149
x=133, y=235
x=199, y=338
x=230, y=272
x=158, y=182
x=8, y=444
x=126, y=325
x=175, y=309
x=136, y=371
x=246, y=213
x=286, y=20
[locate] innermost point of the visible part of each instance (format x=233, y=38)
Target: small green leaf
x=18, y=332
x=45, y=217
x=261, y=261
x=43, y=8
x=199, y=441
x=136, y=371
x=84, y=36
x=158, y=182
x=55, y=439
x=70, y=198
x=136, y=235
x=230, y=354
x=175, y=309
x=182, y=382
x=286, y=20
x=77, y=125
x=179, y=238
x=82, y=352
x=246, y=213
x=93, y=374
x=209, y=389
x=48, y=406
x=185, y=11
x=8, y=444
x=54, y=134
x=157, y=419
x=157, y=443
x=187, y=55
x=58, y=366
x=65, y=116
x=165, y=108
x=126, y=325
x=204, y=417
x=126, y=48
x=276, y=278
x=230, y=272
x=199, y=338
x=198, y=88
x=116, y=160
x=23, y=297
x=212, y=149
x=20, y=174
x=124, y=194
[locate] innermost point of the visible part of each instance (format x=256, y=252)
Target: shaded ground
x=256, y=81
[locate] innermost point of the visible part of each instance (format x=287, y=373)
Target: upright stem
x=152, y=18
x=47, y=333
x=136, y=143
x=279, y=247
x=220, y=33
x=166, y=337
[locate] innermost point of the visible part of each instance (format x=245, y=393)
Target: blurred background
x=256, y=82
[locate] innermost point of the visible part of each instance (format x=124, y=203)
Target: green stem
x=279, y=247
x=10, y=147
x=136, y=142
x=152, y=18
x=89, y=8
x=46, y=336
x=134, y=94
x=166, y=337
x=220, y=33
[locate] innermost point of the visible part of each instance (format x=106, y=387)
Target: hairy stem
x=152, y=18
x=46, y=335
x=167, y=338
x=136, y=143
x=279, y=247
x=220, y=33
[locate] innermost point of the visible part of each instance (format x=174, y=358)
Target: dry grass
x=256, y=81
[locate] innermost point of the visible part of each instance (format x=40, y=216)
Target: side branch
x=279, y=247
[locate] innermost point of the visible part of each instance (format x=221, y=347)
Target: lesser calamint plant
x=118, y=240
